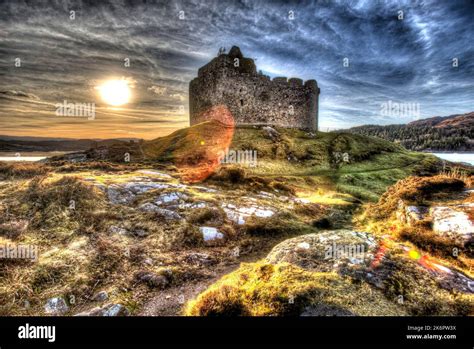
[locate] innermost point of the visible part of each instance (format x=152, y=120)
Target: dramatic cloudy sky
x=403, y=61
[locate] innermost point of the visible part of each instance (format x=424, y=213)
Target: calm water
x=28, y=156
x=457, y=157
x=22, y=158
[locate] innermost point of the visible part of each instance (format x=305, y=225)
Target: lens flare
x=208, y=142
x=414, y=254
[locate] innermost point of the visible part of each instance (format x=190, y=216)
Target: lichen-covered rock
x=113, y=229
x=210, y=234
x=325, y=274
x=56, y=306
x=170, y=198
x=261, y=289
x=155, y=173
x=415, y=214
x=326, y=251
x=271, y=133
x=101, y=296
x=143, y=187
x=165, y=213
x=452, y=223
x=115, y=310
x=239, y=214
x=118, y=196
x=410, y=214
x=168, y=214
x=192, y=205
x=199, y=259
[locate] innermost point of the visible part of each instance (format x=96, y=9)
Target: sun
x=115, y=92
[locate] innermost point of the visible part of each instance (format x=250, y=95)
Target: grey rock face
x=210, y=233
x=107, y=310
x=153, y=280
x=56, y=306
x=452, y=222
x=326, y=251
x=165, y=213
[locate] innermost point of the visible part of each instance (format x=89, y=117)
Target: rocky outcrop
x=361, y=256
x=327, y=251
x=165, y=213
x=240, y=214
x=452, y=223
x=410, y=214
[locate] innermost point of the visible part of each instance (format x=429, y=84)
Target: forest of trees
x=423, y=137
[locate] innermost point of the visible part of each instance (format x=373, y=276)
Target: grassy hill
x=359, y=165
x=301, y=158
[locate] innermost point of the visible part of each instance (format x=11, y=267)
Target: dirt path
x=170, y=302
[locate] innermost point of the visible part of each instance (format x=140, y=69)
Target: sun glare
x=115, y=92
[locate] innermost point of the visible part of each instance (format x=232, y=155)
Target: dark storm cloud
x=405, y=61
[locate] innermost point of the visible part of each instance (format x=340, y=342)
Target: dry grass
x=279, y=225
x=261, y=289
x=207, y=216
x=414, y=191
x=381, y=218
x=422, y=295
x=22, y=170
x=59, y=203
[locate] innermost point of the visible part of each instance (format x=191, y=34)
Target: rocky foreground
x=151, y=245
x=115, y=239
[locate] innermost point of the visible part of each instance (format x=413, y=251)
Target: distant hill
x=449, y=133
x=40, y=144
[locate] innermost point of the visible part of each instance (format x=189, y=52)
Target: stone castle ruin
x=252, y=98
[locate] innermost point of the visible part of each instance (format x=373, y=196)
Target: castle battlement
x=253, y=98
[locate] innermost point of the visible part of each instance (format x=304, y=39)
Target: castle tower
x=253, y=98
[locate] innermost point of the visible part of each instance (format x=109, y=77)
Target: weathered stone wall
x=253, y=98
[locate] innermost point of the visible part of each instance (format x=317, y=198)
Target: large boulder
x=340, y=273
x=327, y=251
x=452, y=223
